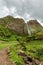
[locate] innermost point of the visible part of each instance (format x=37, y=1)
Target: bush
x=4, y=31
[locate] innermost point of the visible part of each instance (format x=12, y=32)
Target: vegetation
x=31, y=45
x=34, y=48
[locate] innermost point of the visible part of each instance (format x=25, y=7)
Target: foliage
x=4, y=31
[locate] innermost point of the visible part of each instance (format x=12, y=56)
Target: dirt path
x=4, y=59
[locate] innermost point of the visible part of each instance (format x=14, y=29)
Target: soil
x=4, y=58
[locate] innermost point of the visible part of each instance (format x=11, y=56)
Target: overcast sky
x=27, y=9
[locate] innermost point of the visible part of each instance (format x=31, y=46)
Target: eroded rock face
x=34, y=26
x=17, y=26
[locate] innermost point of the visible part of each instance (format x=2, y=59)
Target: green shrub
x=4, y=31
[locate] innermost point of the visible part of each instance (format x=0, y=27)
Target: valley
x=20, y=43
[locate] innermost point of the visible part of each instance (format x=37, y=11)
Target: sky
x=26, y=9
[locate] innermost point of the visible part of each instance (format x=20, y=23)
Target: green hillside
x=24, y=48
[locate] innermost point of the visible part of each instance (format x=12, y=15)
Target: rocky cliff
x=13, y=24
x=9, y=24
x=34, y=26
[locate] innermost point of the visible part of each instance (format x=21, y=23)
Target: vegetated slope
x=34, y=26
x=10, y=24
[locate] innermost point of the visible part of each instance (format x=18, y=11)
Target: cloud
x=27, y=9
x=4, y=11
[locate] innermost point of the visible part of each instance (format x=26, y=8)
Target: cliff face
x=13, y=24
x=18, y=26
x=34, y=26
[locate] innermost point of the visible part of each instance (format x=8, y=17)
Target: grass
x=5, y=44
x=16, y=42
x=33, y=48
x=14, y=55
x=13, y=51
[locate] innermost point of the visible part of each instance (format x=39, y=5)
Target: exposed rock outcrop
x=19, y=26
x=14, y=24
x=28, y=60
x=34, y=26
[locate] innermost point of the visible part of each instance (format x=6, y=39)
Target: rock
x=22, y=54
x=41, y=63
x=27, y=59
x=34, y=26
x=19, y=26
x=36, y=62
x=16, y=25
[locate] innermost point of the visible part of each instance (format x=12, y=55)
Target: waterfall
x=28, y=29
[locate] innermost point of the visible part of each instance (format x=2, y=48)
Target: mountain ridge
x=19, y=26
